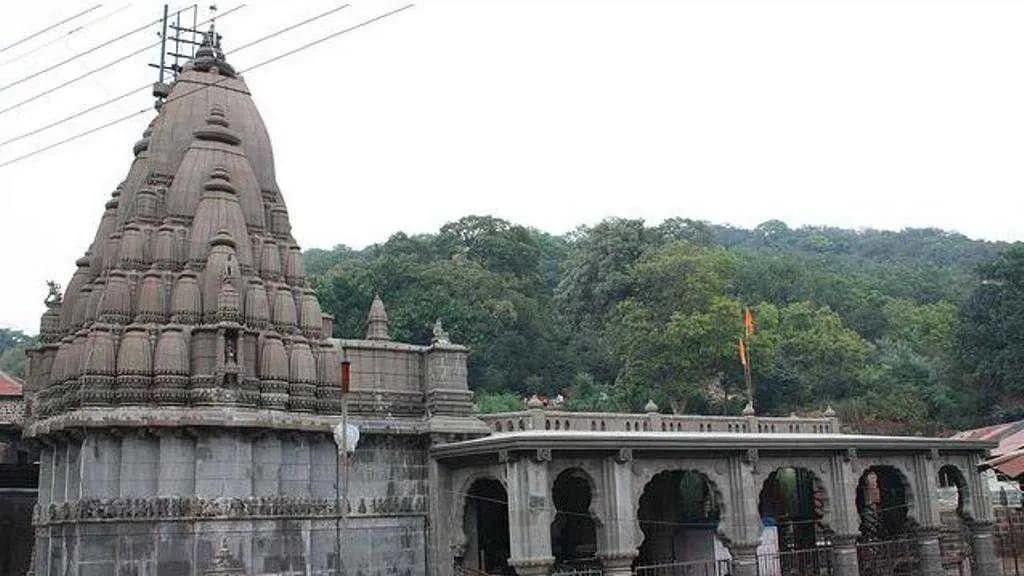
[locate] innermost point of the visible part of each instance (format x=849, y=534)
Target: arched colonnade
x=746, y=513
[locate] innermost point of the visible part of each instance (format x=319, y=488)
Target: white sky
x=553, y=114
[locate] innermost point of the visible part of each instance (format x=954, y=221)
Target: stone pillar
x=982, y=538
x=983, y=543
x=744, y=558
x=743, y=524
x=530, y=512
x=844, y=555
x=842, y=515
x=930, y=551
x=925, y=490
x=618, y=539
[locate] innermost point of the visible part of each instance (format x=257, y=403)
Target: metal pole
x=163, y=46
x=343, y=522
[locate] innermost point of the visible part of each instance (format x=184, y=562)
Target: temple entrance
x=887, y=545
x=573, y=531
x=679, y=514
x=795, y=539
x=485, y=525
x=954, y=538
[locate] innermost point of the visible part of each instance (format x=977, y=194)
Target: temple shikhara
x=193, y=415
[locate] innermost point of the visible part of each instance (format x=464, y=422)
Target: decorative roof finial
x=213, y=24
x=748, y=410
x=377, y=321
x=54, y=296
x=440, y=335
x=209, y=57
x=650, y=407
x=829, y=411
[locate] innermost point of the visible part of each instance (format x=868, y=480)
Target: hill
x=895, y=329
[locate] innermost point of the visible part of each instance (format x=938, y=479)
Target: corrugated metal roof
x=1008, y=457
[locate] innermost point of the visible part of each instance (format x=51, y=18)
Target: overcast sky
x=552, y=114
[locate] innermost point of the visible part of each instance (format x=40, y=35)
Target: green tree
x=13, y=344
x=990, y=339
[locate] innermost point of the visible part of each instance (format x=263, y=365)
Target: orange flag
x=748, y=321
x=743, y=353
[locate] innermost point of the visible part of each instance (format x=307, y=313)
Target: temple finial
x=377, y=321
x=214, y=38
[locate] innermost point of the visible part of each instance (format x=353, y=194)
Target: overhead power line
x=84, y=53
x=147, y=86
x=207, y=87
x=82, y=76
x=64, y=36
x=48, y=28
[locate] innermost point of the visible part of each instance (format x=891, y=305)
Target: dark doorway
x=882, y=504
x=486, y=527
x=573, y=531
x=793, y=500
x=679, y=514
x=955, y=534
x=887, y=545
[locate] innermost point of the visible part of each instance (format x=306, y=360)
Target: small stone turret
x=377, y=321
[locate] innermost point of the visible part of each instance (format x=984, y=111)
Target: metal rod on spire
x=163, y=46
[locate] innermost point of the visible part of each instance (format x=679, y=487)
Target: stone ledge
x=699, y=441
x=168, y=417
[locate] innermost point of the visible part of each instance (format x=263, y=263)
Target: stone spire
x=193, y=277
x=377, y=321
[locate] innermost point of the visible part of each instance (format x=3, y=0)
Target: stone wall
x=164, y=503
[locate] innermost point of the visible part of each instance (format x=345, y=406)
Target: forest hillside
x=920, y=330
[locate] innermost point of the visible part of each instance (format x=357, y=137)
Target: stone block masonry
x=164, y=503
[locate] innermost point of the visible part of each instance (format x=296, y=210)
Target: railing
x=577, y=571
x=560, y=420
x=1009, y=540
x=692, y=568
x=889, y=558
x=806, y=562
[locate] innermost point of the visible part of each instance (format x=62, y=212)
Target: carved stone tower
x=185, y=366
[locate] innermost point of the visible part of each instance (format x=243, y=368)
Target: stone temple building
x=193, y=416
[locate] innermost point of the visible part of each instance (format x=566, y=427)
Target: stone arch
x=679, y=514
x=575, y=527
x=483, y=497
x=955, y=516
x=884, y=503
x=951, y=476
x=717, y=475
x=796, y=499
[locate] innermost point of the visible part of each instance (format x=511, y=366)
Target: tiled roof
x=9, y=385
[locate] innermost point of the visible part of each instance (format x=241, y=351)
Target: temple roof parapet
x=536, y=418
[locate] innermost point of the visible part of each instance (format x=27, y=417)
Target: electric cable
x=99, y=69
x=64, y=36
x=205, y=87
x=84, y=53
x=48, y=28
x=147, y=85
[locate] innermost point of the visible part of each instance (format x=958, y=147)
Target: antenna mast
x=181, y=36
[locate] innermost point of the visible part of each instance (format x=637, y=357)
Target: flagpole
x=748, y=330
x=746, y=375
